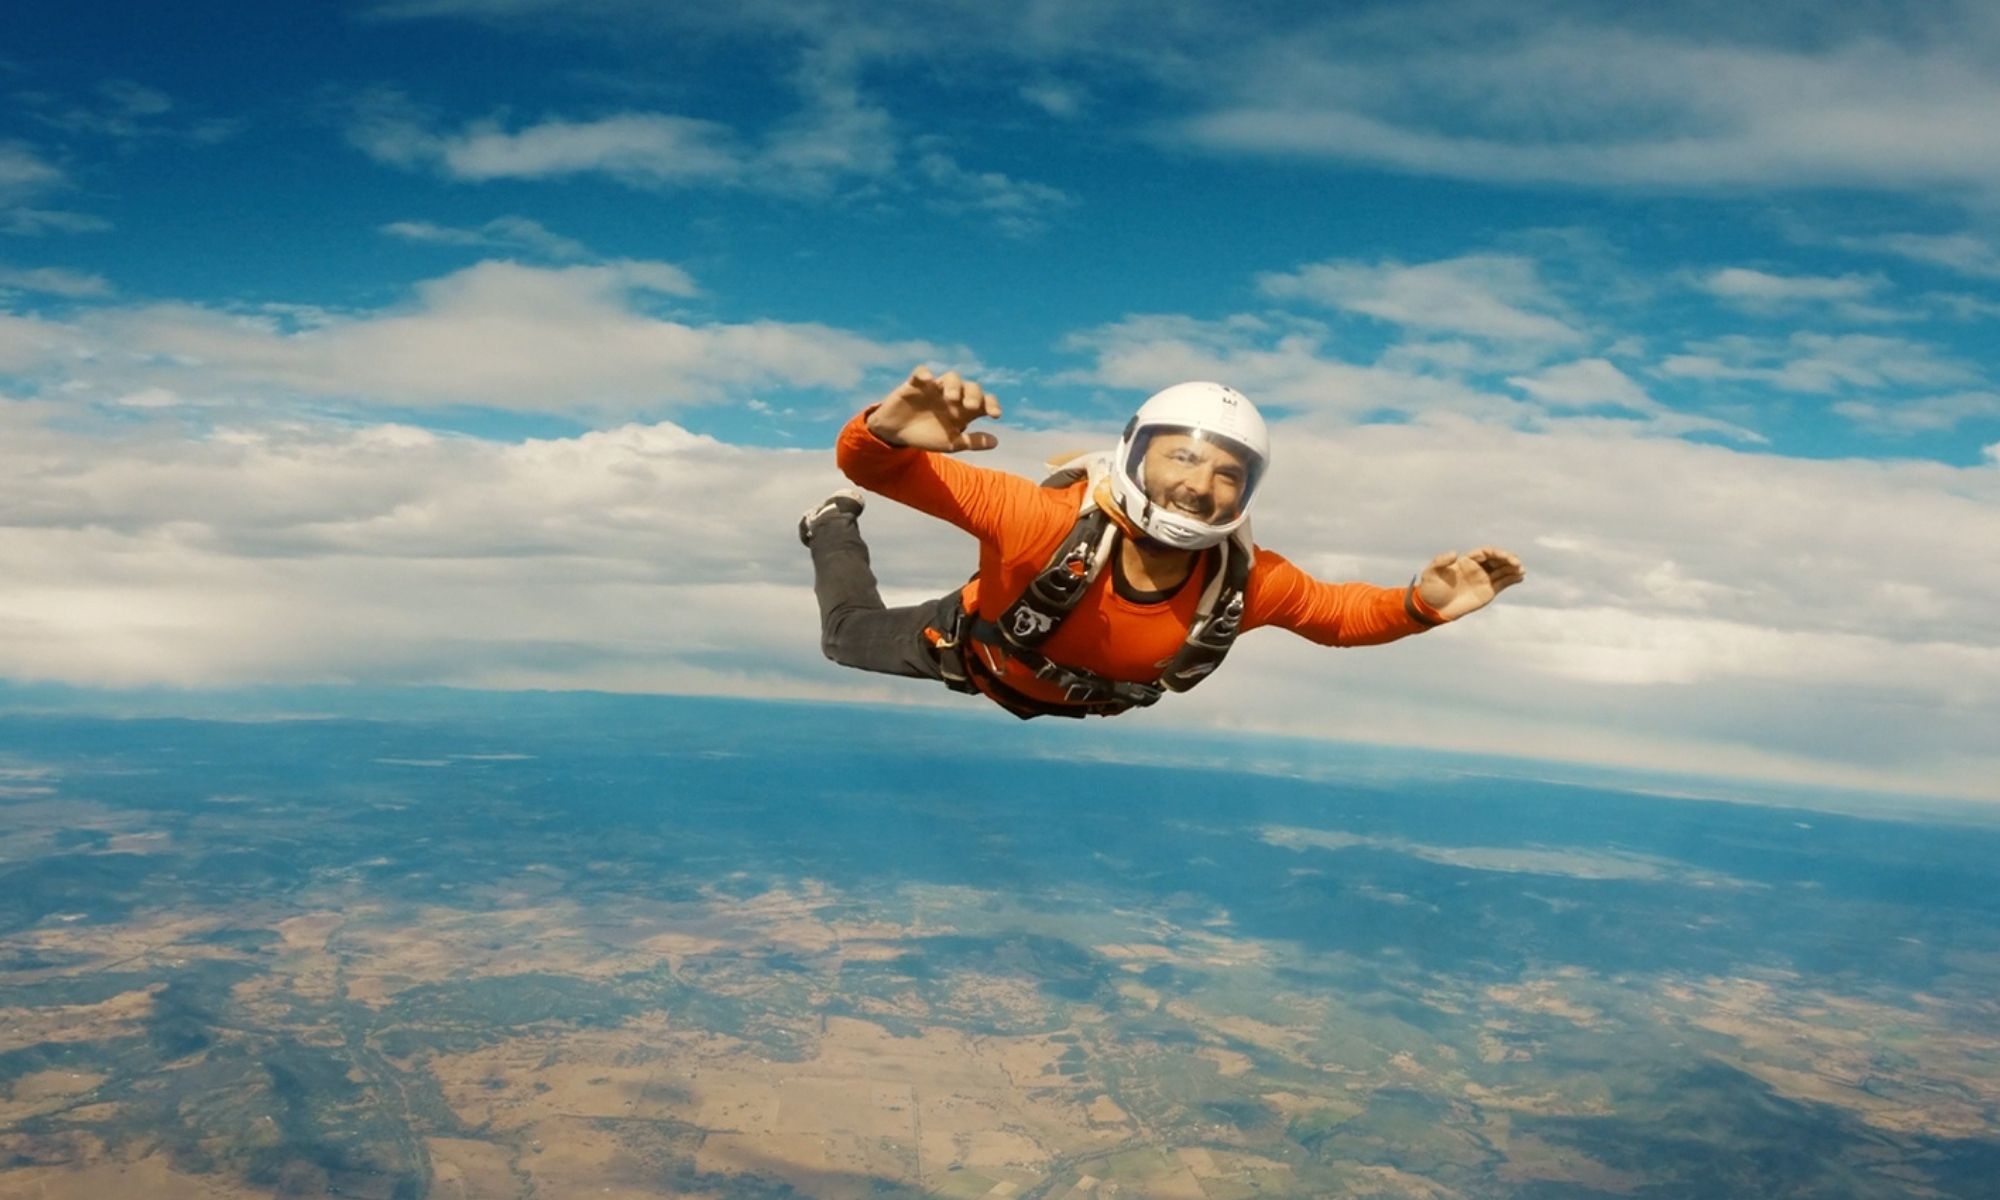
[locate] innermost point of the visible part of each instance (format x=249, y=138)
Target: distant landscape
x=585, y=946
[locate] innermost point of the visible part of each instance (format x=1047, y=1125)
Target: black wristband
x=1417, y=614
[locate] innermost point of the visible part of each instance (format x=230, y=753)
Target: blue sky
x=498, y=342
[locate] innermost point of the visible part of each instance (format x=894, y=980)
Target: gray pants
x=855, y=628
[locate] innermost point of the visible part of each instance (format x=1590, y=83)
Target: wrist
x=868, y=422
x=1420, y=610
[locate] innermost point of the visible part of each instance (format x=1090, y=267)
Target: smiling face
x=1194, y=477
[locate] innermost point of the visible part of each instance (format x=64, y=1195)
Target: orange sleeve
x=990, y=505
x=1332, y=614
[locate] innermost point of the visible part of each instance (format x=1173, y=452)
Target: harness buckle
x=1060, y=581
x=1137, y=695
x=1221, y=628
x=949, y=643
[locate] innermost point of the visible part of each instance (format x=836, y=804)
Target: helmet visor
x=1194, y=473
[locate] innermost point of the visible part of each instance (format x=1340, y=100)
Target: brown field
x=152, y=1178
x=912, y=1109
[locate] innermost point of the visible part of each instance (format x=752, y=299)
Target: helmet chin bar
x=1167, y=530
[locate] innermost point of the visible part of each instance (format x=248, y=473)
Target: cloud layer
x=1790, y=94
x=577, y=339
x=1683, y=592
x=1661, y=618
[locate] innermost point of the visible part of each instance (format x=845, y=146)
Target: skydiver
x=1126, y=576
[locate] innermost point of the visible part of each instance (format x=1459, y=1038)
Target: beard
x=1184, y=502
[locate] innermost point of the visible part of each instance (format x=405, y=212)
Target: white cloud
x=1963, y=307
x=35, y=221
x=502, y=233
x=1790, y=94
x=1756, y=539
x=386, y=553
x=1515, y=96
x=1764, y=293
x=126, y=110
x=836, y=139
x=25, y=179
x=1017, y=205
x=54, y=281
x=1820, y=363
x=638, y=148
x=1487, y=296
x=22, y=171
x=837, y=135
x=1594, y=386
x=1299, y=366
x=1276, y=365
x=149, y=398
x=1057, y=99
x=27, y=343
x=1587, y=383
x=1965, y=253
x=1772, y=594
x=498, y=334
x=1927, y=414
x=664, y=278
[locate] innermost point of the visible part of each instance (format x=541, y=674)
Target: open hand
x=929, y=412
x=1456, y=584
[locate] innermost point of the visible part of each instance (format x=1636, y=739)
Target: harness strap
x=1081, y=688
x=1050, y=596
x=1218, y=619
x=1031, y=707
x=949, y=644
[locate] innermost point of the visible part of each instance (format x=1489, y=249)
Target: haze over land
x=590, y=946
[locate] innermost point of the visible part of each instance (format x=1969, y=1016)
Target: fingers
x=975, y=441
x=920, y=384
x=961, y=396
x=912, y=390
x=1501, y=567
x=964, y=399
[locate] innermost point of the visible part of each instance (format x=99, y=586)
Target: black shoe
x=846, y=500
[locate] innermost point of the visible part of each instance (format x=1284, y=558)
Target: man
x=1099, y=593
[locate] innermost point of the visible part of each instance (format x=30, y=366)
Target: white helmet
x=1208, y=412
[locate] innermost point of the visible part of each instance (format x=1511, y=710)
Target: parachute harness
x=1035, y=615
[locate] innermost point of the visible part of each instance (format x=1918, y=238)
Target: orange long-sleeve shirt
x=1019, y=524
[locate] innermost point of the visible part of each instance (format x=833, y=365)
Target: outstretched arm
x=927, y=412
x=1456, y=584
x=906, y=447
